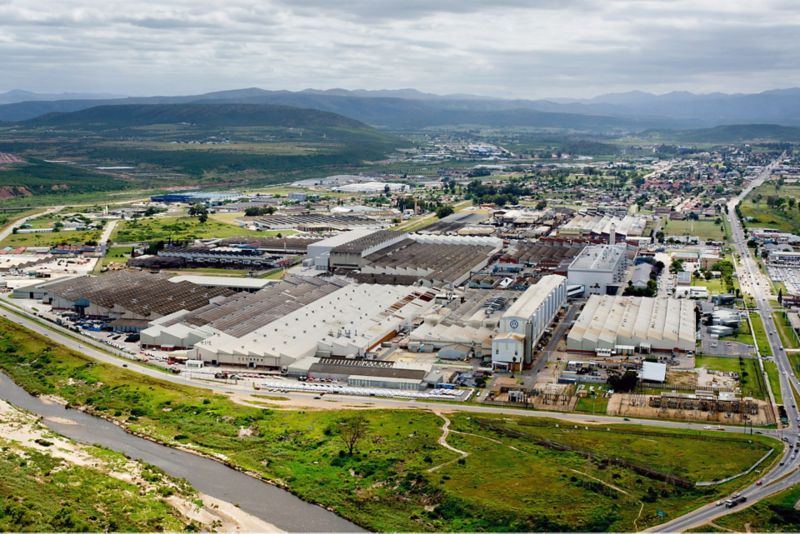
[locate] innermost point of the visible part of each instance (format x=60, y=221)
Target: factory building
x=375, y=373
x=601, y=268
x=239, y=314
x=352, y=254
x=130, y=295
x=350, y=321
x=436, y=260
x=349, y=250
x=222, y=257
x=618, y=323
x=604, y=227
x=523, y=324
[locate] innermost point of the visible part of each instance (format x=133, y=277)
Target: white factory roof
x=344, y=237
x=606, y=321
x=654, y=372
x=527, y=304
x=630, y=225
x=350, y=320
x=599, y=257
x=225, y=281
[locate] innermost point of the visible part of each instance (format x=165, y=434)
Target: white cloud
x=514, y=48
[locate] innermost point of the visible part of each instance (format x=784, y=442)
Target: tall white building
x=598, y=267
x=523, y=324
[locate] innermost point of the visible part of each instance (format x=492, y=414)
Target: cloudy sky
x=507, y=48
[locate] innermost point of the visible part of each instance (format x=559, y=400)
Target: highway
x=84, y=345
x=752, y=281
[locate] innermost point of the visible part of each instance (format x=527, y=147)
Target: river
x=255, y=497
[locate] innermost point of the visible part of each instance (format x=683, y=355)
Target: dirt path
x=443, y=442
x=601, y=482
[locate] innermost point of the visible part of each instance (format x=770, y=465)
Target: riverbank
x=23, y=436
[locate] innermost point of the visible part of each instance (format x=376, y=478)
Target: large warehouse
x=350, y=321
x=436, y=260
x=239, y=314
x=130, y=295
x=608, y=322
x=601, y=268
x=523, y=324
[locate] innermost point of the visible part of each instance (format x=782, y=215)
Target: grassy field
x=774, y=380
x=505, y=483
x=704, y=229
x=787, y=220
x=175, y=228
x=595, y=405
x=50, y=239
x=750, y=382
x=773, y=514
x=41, y=493
x=761, y=335
x=788, y=338
x=116, y=255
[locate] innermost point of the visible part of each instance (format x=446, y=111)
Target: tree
x=513, y=365
x=780, y=296
x=542, y=204
x=676, y=266
x=444, y=211
x=624, y=383
x=386, y=189
x=352, y=430
x=660, y=236
x=15, y=230
x=199, y=211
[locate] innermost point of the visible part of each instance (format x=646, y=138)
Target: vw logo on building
x=513, y=324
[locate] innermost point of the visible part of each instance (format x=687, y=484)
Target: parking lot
x=788, y=276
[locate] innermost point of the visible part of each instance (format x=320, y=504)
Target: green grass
x=788, y=338
x=41, y=493
x=50, y=239
x=774, y=381
x=786, y=220
x=704, y=229
x=761, y=335
x=751, y=384
x=116, y=255
x=773, y=514
x=175, y=228
x=571, y=488
x=596, y=404
x=386, y=485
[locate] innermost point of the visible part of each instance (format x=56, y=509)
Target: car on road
x=626, y=419
x=758, y=483
x=124, y=365
x=713, y=345
x=317, y=398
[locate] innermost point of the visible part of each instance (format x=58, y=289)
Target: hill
x=205, y=115
x=386, y=110
x=733, y=133
x=36, y=177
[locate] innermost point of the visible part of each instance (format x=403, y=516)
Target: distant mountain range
x=409, y=109
x=17, y=95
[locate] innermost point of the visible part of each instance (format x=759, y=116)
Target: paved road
x=7, y=232
x=749, y=274
x=83, y=345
